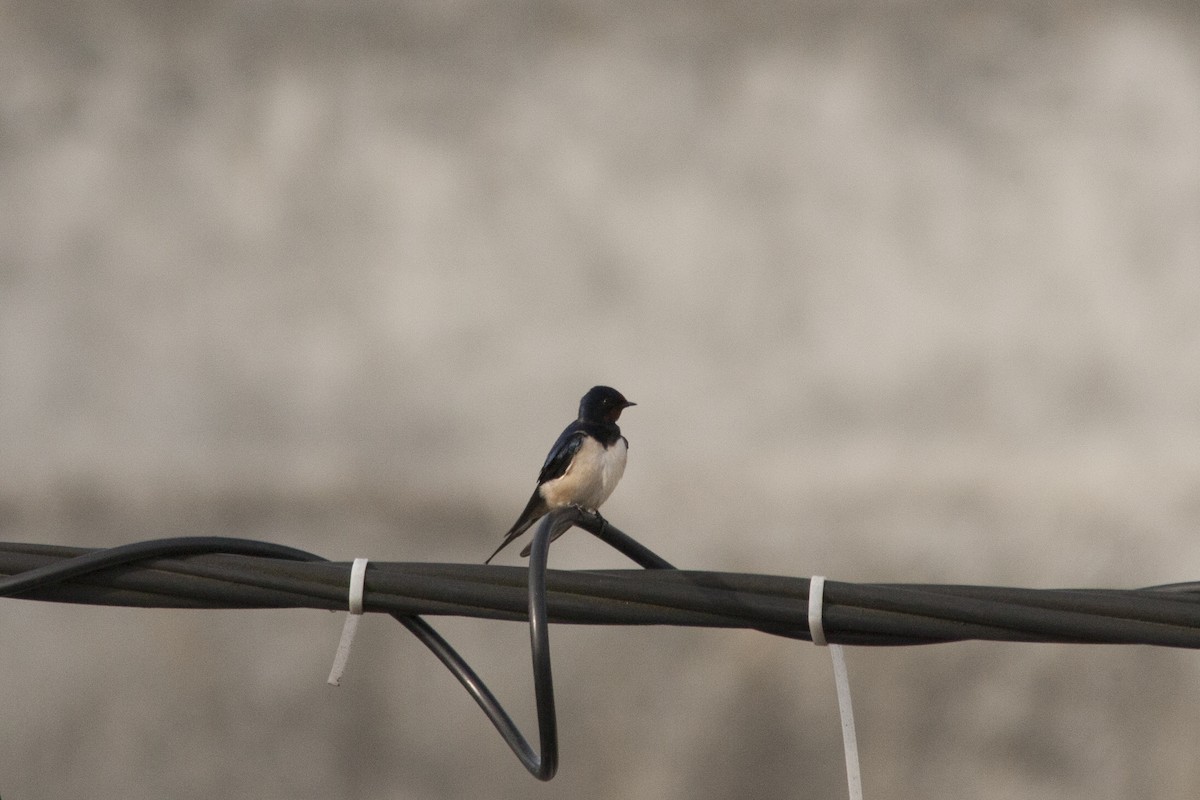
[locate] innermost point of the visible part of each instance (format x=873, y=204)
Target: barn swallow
x=583, y=466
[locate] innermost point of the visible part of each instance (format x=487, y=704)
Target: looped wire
x=544, y=765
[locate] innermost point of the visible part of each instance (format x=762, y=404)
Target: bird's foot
x=594, y=514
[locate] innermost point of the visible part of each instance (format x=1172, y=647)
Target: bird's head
x=602, y=404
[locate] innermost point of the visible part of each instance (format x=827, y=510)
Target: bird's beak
x=628, y=404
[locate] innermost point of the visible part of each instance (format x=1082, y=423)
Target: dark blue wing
x=568, y=444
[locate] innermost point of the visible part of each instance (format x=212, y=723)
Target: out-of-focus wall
x=904, y=292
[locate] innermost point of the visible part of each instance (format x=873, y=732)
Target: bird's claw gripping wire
x=591, y=516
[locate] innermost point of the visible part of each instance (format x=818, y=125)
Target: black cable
x=98, y=560
x=878, y=614
x=216, y=572
x=245, y=583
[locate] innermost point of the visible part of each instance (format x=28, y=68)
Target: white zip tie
x=358, y=573
x=816, y=602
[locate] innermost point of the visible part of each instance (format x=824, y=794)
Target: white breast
x=591, y=478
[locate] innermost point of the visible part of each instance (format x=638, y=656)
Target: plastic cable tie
x=358, y=573
x=816, y=603
x=841, y=678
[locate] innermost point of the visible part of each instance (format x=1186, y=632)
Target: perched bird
x=583, y=466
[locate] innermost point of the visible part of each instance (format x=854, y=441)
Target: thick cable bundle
x=222, y=573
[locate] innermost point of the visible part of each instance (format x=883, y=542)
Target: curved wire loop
x=541, y=766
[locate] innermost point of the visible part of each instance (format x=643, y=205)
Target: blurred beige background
x=904, y=292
